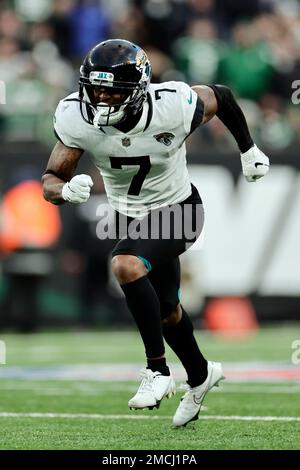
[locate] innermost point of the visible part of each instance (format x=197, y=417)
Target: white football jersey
x=143, y=169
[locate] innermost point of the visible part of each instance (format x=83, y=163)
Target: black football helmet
x=124, y=68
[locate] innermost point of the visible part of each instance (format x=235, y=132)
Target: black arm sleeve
x=232, y=116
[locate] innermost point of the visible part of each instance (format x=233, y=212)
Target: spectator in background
x=89, y=25
x=209, y=10
x=59, y=21
x=256, y=57
x=11, y=26
x=13, y=61
x=233, y=11
x=282, y=34
x=131, y=25
x=35, y=78
x=248, y=65
x=275, y=129
x=54, y=70
x=162, y=66
x=164, y=21
x=25, y=92
x=197, y=54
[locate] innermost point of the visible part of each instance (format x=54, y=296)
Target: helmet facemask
x=131, y=80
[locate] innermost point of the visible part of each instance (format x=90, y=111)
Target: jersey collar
x=133, y=120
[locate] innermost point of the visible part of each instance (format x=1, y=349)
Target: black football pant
x=167, y=234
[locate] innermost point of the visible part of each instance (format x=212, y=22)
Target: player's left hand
x=255, y=164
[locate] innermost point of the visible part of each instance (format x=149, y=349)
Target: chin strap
x=107, y=116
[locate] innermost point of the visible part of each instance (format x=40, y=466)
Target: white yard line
x=143, y=417
x=67, y=388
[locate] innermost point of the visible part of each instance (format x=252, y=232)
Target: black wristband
x=232, y=116
x=50, y=172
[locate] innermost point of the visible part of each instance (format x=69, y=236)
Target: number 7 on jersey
x=137, y=181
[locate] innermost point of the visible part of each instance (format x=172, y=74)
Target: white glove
x=78, y=189
x=255, y=164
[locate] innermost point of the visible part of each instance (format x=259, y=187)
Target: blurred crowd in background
x=253, y=47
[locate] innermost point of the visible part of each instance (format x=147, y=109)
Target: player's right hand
x=78, y=189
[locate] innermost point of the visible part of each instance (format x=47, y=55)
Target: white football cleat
x=190, y=404
x=154, y=387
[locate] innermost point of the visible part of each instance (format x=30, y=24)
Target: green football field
x=70, y=391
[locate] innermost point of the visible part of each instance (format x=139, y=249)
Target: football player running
x=136, y=131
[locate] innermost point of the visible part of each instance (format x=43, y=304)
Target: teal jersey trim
x=179, y=295
x=146, y=263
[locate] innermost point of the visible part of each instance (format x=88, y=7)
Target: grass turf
x=268, y=344
x=110, y=398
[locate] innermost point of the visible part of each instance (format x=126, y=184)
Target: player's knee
x=174, y=317
x=128, y=268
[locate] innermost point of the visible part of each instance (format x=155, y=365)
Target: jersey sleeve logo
x=165, y=138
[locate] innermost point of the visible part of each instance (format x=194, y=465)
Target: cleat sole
x=157, y=405
x=151, y=407
x=154, y=406
x=188, y=422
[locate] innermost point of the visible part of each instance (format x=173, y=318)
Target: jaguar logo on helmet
x=140, y=59
x=165, y=138
x=143, y=64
